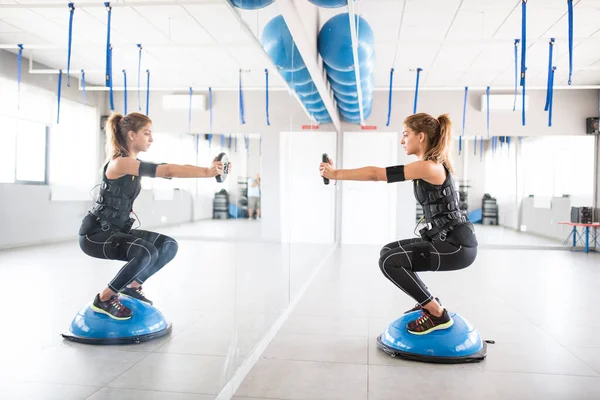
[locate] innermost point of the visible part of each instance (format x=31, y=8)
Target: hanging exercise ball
x=353, y=107
x=311, y=98
x=324, y=120
x=279, y=45
x=306, y=89
x=299, y=77
x=354, y=118
x=366, y=86
x=329, y=3
x=316, y=107
x=320, y=115
x=335, y=42
x=349, y=77
x=251, y=4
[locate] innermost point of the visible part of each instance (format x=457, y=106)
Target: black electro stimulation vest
x=115, y=201
x=440, y=207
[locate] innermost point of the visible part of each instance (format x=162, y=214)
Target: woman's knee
x=169, y=248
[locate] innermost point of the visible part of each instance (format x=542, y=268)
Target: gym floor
x=223, y=296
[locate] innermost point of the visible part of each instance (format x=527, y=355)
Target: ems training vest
x=440, y=207
x=115, y=201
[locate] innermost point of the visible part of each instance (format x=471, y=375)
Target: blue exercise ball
x=349, y=77
x=91, y=327
x=324, y=120
x=329, y=3
x=315, y=107
x=311, y=98
x=320, y=115
x=366, y=86
x=350, y=99
x=356, y=115
x=335, y=42
x=299, y=77
x=251, y=4
x=306, y=89
x=353, y=107
x=459, y=343
x=279, y=45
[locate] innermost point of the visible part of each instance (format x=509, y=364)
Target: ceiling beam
x=296, y=27
x=115, y=4
x=354, y=38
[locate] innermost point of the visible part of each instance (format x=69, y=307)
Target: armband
x=395, y=174
x=147, y=169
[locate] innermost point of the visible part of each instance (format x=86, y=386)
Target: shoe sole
x=445, y=325
x=133, y=297
x=101, y=311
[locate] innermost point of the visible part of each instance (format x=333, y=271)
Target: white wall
x=307, y=204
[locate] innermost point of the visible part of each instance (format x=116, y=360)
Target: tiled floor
x=222, y=298
x=539, y=306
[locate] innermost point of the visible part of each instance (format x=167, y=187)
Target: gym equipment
x=329, y=3
x=251, y=4
x=460, y=343
x=279, y=45
x=90, y=327
x=225, y=160
x=325, y=159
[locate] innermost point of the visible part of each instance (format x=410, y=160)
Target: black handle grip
x=325, y=159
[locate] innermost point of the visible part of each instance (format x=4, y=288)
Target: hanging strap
x=551, y=96
x=222, y=141
x=59, y=92
x=417, y=90
x=267, y=95
x=190, y=113
x=19, y=64
x=551, y=47
x=109, y=82
x=83, y=86
x=516, y=72
x=125, y=91
x=139, y=75
x=71, y=12
x=487, y=99
x=390, y=98
x=147, y=92
x=464, y=119
x=229, y=141
x=241, y=95
x=570, y=8
x=523, y=53
x=508, y=144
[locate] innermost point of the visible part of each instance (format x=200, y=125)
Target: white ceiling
x=456, y=42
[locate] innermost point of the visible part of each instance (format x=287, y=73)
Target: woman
x=448, y=240
x=106, y=230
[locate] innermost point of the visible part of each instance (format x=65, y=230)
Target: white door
x=369, y=208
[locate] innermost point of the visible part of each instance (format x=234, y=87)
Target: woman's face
x=411, y=141
x=142, y=139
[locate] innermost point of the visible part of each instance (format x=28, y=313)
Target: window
x=23, y=151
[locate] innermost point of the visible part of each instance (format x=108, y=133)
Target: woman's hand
x=216, y=168
x=327, y=170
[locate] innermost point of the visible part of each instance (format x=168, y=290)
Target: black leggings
x=399, y=261
x=145, y=252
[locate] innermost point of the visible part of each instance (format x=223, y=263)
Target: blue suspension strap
x=19, y=64
x=502, y=139
x=71, y=12
x=570, y=8
x=59, y=90
x=464, y=120
x=242, y=120
x=190, y=113
x=222, y=141
x=229, y=141
x=523, y=52
x=125, y=91
x=266, y=95
x=508, y=144
x=516, y=72
x=147, y=92
x=83, y=86
x=417, y=90
x=487, y=99
x=551, y=48
x=390, y=98
x=551, y=95
x=109, y=82
x=139, y=75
